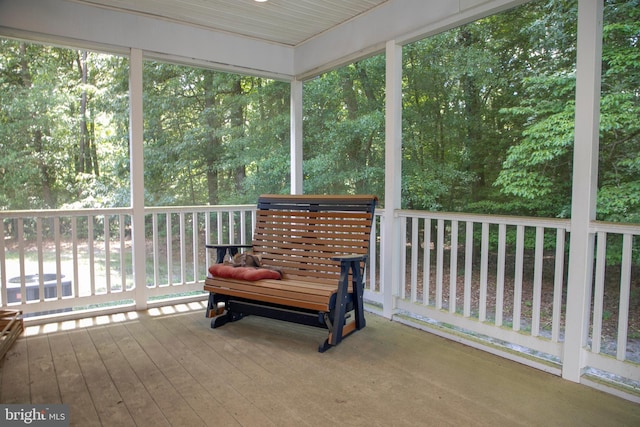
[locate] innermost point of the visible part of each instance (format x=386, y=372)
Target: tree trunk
x=38, y=137
x=84, y=157
x=238, y=123
x=212, y=141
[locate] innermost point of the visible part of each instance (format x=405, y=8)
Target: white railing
x=612, y=343
x=67, y=260
x=181, y=261
x=501, y=282
x=57, y=260
x=485, y=275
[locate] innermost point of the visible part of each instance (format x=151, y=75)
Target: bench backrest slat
x=300, y=234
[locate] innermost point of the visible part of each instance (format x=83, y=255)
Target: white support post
x=585, y=179
x=391, y=230
x=296, y=138
x=137, y=177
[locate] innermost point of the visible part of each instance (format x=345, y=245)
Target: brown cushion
x=242, y=273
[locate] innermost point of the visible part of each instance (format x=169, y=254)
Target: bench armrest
x=351, y=262
x=349, y=258
x=223, y=249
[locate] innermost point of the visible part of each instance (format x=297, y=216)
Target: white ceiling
x=286, y=22
x=282, y=39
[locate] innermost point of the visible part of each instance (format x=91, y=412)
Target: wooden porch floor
x=167, y=367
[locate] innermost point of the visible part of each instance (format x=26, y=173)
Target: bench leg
x=219, y=320
x=358, y=295
x=338, y=328
x=218, y=313
x=335, y=336
x=324, y=346
x=346, y=330
x=224, y=318
x=213, y=305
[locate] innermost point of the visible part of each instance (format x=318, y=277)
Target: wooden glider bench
x=321, y=245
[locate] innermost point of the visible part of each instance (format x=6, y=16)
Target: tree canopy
x=488, y=122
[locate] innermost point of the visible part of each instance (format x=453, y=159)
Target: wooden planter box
x=11, y=325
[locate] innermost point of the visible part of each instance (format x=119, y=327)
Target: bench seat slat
x=309, y=295
x=290, y=286
x=273, y=300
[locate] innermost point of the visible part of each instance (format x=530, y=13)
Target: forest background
x=488, y=122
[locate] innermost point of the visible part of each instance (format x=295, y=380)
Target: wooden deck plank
x=278, y=346
x=217, y=368
x=42, y=375
x=195, y=392
x=73, y=388
x=139, y=402
x=108, y=401
x=14, y=370
x=276, y=350
x=263, y=372
x=287, y=406
x=201, y=389
x=282, y=408
x=173, y=406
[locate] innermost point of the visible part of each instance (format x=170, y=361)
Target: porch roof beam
x=79, y=25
